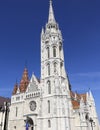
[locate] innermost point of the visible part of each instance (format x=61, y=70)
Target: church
x=49, y=103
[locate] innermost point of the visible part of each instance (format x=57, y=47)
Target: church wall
x=16, y=120
x=27, y=110
x=23, y=111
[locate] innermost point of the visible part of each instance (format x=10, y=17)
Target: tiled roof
x=76, y=99
x=24, y=81
x=15, y=89
x=75, y=104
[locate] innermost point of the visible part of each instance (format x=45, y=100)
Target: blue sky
x=20, y=27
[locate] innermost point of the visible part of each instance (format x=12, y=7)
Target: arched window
x=48, y=106
x=48, y=52
x=60, y=48
x=16, y=111
x=61, y=64
x=54, y=51
x=49, y=87
x=55, y=67
x=61, y=67
x=48, y=68
x=49, y=123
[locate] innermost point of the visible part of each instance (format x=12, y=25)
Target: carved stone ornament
x=32, y=105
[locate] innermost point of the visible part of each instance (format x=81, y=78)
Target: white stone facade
x=2, y=117
x=49, y=104
x=4, y=112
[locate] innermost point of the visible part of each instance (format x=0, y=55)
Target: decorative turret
x=42, y=32
x=91, y=96
x=82, y=104
x=15, y=89
x=24, y=81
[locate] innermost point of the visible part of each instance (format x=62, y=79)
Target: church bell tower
x=55, y=97
x=52, y=57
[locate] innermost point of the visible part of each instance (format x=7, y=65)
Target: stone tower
x=55, y=98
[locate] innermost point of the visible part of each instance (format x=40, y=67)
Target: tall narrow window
x=54, y=51
x=48, y=106
x=16, y=111
x=48, y=67
x=61, y=67
x=49, y=87
x=48, y=52
x=55, y=67
x=60, y=47
x=49, y=123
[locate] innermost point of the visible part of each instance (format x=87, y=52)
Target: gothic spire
x=42, y=32
x=15, y=88
x=24, y=81
x=91, y=96
x=51, y=18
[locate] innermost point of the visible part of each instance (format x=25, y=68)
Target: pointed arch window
x=48, y=106
x=48, y=68
x=49, y=87
x=48, y=52
x=54, y=51
x=61, y=66
x=60, y=48
x=55, y=67
x=16, y=111
x=49, y=123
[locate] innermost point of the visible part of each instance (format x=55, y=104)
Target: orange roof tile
x=76, y=99
x=24, y=81
x=15, y=89
x=75, y=104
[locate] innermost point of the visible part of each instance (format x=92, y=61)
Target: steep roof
x=75, y=104
x=15, y=89
x=76, y=99
x=24, y=81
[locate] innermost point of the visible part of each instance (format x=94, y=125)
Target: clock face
x=32, y=105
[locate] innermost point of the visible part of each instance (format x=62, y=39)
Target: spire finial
x=16, y=81
x=51, y=13
x=50, y=1
x=42, y=32
x=90, y=94
x=25, y=63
